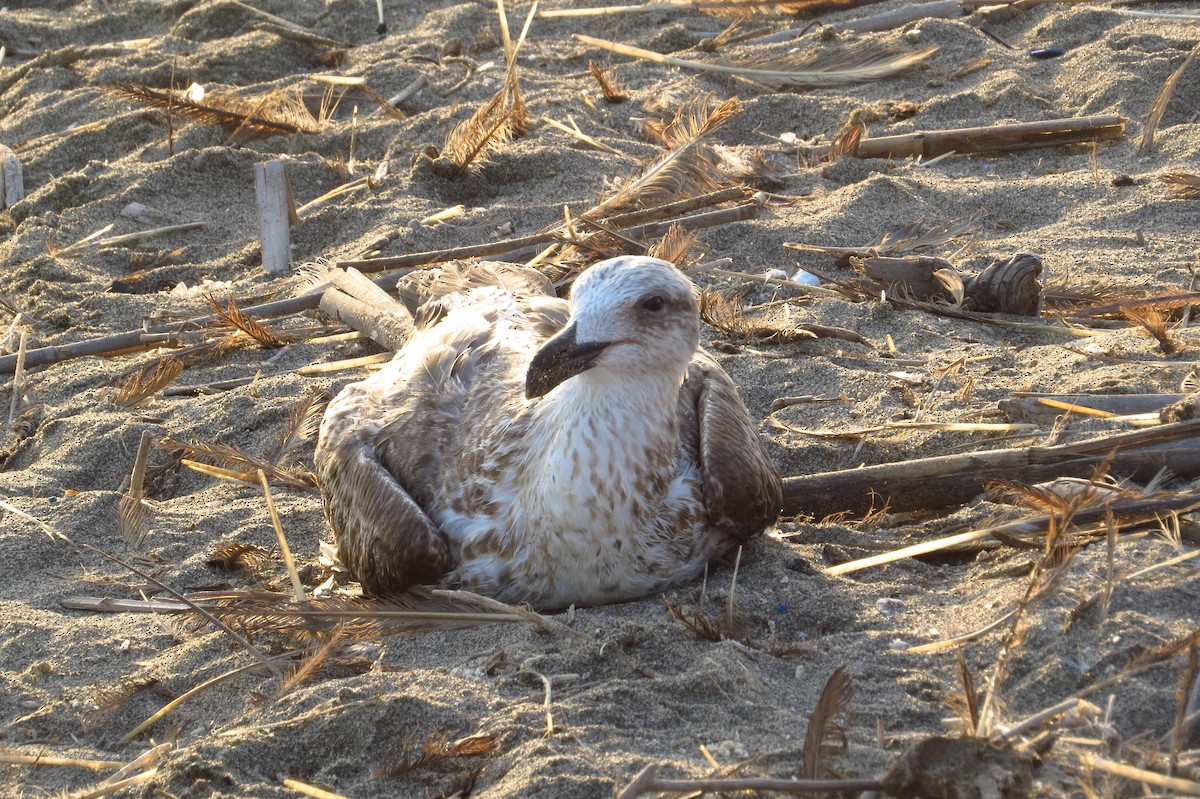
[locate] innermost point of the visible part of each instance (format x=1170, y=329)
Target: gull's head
x=631, y=316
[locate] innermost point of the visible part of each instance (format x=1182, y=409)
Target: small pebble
x=775, y=274
x=888, y=605
x=805, y=278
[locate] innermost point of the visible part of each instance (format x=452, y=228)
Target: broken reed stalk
x=1188, y=787
x=18, y=383
x=284, y=549
x=138, y=339
x=648, y=780
x=1129, y=511
x=13, y=758
x=984, y=139
x=952, y=479
x=310, y=790
x=842, y=68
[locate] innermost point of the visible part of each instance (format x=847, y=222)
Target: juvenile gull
x=548, y=452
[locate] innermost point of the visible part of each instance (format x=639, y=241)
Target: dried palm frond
x=495, y=123
x=232, y=316
x=825, y=736
x=608, y=85
x=309, y=665
x=236, y=556
x=844, y=143
x=146, y=380
x=1184, y=184
x=471, y=141
x=241, y=465
x=418, y=610
x=273, y=114
x=722, y=311
x=303, y=422
x=687, y=169
x=814, y=70
x=1155, y=323
x=435, y=748
x=109, y=699
x=677, y=246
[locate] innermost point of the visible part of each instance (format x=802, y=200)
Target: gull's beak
x=560, y=358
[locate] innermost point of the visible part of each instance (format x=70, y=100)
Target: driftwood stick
x=953, y=479
x=383, y=324
x=1029, y=408
x=985, y=139
x=134, y=340
x=888, y=20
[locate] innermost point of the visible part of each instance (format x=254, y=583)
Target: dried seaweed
x=720, y=309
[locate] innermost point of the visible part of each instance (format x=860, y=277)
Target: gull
x=543, y=451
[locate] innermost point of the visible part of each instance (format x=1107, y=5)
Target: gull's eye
x=653, y=303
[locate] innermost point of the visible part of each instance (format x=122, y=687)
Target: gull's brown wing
x=384, y=537
x=743, y=493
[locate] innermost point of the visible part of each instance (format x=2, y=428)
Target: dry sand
x=642, y=687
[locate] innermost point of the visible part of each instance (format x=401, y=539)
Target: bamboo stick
x=953, y=479
x=985, y=139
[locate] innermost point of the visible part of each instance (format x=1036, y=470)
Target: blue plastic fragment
x=1048, y=52
x=782, y=608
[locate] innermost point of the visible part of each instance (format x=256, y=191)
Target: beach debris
x=826, y=737
x=12, y=181
x=1183, y=184
x=831, y=68
x=944, y=480
x=277, y=113
x=1159, y=106
x=496, y=122
x=940, y=767
x=1047, y=53
x=985, y=139
x=607, y=83
x=1009, y=285
x=276, y=215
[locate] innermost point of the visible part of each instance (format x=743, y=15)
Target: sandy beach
x=1099, y=623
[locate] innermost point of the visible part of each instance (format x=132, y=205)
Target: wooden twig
x=1039, y=407
x=875, y=64
x=18, y=383
x=985, y=139
x=1176, y=784
x=952, y=479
